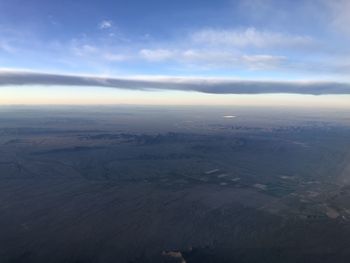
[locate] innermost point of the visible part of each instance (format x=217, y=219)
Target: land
x=174, y=184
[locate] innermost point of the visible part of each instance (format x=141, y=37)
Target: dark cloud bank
x=200, y=85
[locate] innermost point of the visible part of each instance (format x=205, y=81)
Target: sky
x=180, y=52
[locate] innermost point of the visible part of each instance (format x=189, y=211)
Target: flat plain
x=174, y=184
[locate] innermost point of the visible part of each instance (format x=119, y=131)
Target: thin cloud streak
x=250, y=37
x=105, y=24
x=212, y=86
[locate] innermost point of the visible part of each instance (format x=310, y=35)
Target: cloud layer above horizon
x=204, y=85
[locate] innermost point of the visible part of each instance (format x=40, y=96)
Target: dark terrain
x=153, y=184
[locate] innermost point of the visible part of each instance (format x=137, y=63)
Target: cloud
x=249, y=37
x=263, y=62
x=105, y=24
x=214, y=58
x=4, y=46
x=232, y=60
x=96, y=53
x=84, y=49
x=205, y=85
x=245, y=49
x=115, y=57
x=157, y=54
x=340, y=15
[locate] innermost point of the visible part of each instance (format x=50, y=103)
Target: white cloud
x=232, y=60
x=214, y=58
x=210, y=56
x=105, y=24
x=262, y=62
x=157, y=54
x=249, y=37
x=83, y=50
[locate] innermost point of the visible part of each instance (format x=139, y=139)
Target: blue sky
x=273, y=40
x=249, y=39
